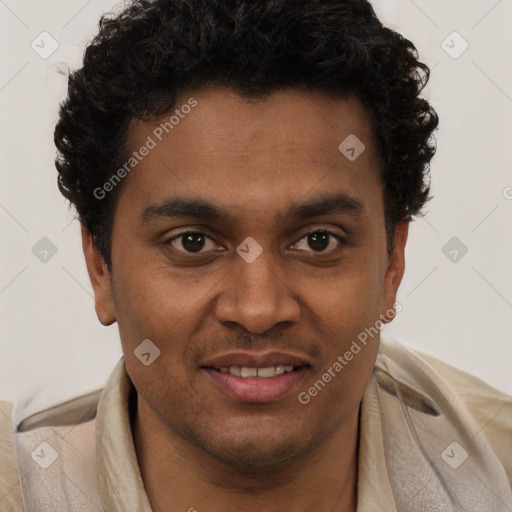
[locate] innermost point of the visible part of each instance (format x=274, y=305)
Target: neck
x=179, y=476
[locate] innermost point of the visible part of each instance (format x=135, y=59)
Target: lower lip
x=254, y=389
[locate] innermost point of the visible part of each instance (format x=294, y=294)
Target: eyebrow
x=200, y=209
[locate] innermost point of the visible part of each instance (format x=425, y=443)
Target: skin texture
x=197, y=447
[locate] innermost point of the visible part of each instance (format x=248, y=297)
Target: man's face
x=273, y=173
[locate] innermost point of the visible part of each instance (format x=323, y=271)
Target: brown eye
x=319, y=241
x=191, y=242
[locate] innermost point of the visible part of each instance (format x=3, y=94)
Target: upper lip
x=250, y=359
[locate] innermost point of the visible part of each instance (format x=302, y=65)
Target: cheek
x=351, y=298
x=347, y=313
x=152, y=321
x=149, y=302
x=153, y=334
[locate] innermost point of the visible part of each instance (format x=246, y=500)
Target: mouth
x=256, y=377
x=256, y=373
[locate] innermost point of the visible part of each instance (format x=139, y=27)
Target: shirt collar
x=120, y=480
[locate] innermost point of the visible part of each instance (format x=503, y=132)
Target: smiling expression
x=311, y=271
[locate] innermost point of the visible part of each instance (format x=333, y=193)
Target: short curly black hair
x=145, y=56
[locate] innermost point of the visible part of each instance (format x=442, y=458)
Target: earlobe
x=395, y=271
x=100, y=278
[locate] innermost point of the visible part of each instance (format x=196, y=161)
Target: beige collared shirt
x=92, y=464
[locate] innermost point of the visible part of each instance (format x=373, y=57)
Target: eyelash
x=339, y=238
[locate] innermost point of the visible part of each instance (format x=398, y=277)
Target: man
x=244, y=174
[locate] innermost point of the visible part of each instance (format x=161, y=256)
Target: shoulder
x=10, y=493
x=78, y=410
x=490, y=408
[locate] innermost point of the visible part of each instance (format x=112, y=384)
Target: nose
x=257, y=296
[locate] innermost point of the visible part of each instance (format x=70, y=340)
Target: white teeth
x=266, y=372
x=279, y=370
x=248, y=372
x=263, y=373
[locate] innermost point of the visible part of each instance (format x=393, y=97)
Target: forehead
x=254, y=153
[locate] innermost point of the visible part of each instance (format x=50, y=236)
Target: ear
x=100, y=279
x=394, y=272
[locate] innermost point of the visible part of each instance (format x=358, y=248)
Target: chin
x=256, y=450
